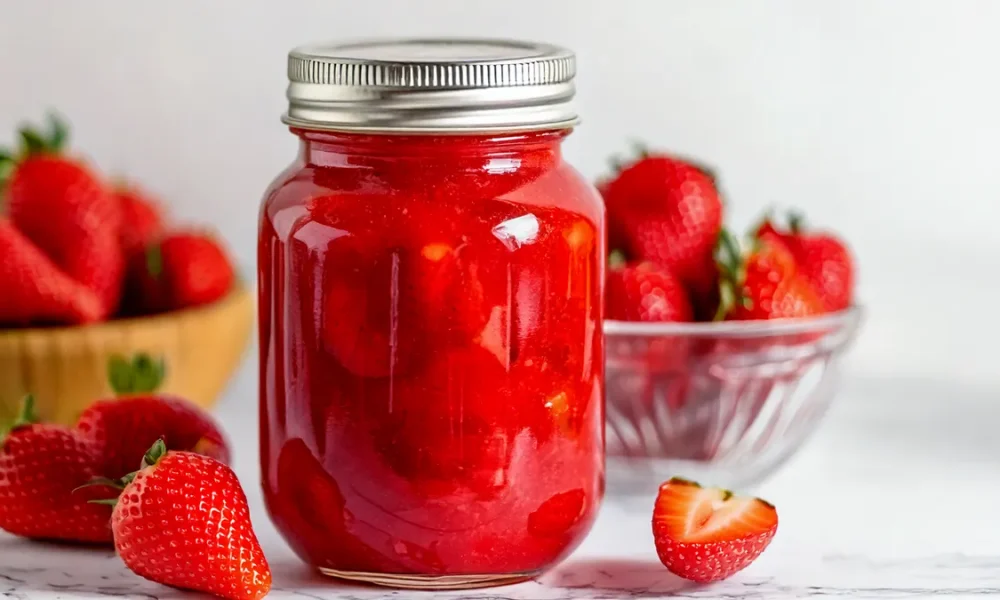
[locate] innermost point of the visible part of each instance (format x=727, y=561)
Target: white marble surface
x=895, y=497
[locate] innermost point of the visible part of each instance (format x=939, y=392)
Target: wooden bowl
x=66, y=369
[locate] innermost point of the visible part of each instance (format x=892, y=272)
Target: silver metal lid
x=431, y=86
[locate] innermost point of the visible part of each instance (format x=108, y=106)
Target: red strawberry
x=124, y=428
x=142, y=220
x=67, y=211
x=182, y=520
x=41, y=467
x=644, y=292
x=668, y=211
x=183, y=269
x=35, y=290
x=708, y=534
x=822, y=259
x=763, y=285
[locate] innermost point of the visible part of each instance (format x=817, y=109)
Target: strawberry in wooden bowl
x=721, y=353
x=94, y=268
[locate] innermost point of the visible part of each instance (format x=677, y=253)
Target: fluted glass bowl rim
x=849, y=317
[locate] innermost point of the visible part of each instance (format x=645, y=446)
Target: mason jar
x=430, y=281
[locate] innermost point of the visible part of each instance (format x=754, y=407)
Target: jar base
x=429, y=582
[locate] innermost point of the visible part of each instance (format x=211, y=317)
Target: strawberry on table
x=182, y=520
x=762, y=284
x=41, y=470
x=35, y=290
x=823, y=260
x=644, y=292
x=125, y=427
x=709, y=534
x=182, y=269
x=67, y=211
x=668, y=211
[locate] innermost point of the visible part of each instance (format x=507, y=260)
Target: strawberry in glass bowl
x=722, y=354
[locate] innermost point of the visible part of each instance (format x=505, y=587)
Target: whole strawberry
x=125, y=427
x=822, y=259
x=35, y=290
x=42, y=469
x=709, y=534
x=141, y=217
x=182, y=520
x=645, y=292
x=68, y=212
x=180, y=270
x=763, y=284
x=668, y=211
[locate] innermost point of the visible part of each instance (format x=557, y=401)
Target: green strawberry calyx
x=731, y=262
x=34, y=141
x=796, y=222
x=154, y=261
x=152, y=456
x=24, y=418
x=140, y=375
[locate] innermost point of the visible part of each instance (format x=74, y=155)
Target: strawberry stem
x=51, y=142
x=58, y=132
x=24, y=418
x=683, y=481
x=152, y=456
x=33, y=142
x=118, y=484
x=640, y=148
x=732, y=273
x=796, y=221
x=112, y=502
x=141, y=375
x=27, y=416
x=154, y=261
x=7, y=165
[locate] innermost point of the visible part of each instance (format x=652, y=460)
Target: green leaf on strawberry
x=27, y=416
x=141, y=375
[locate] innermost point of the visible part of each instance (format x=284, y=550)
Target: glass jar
x=430, y=280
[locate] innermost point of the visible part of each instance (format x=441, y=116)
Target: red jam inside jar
x=431, y=355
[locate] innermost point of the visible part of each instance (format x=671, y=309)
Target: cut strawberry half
x=709, y=534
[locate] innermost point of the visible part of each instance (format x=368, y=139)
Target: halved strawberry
x=709, y=534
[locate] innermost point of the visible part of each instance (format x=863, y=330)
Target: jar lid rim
x=431, y=85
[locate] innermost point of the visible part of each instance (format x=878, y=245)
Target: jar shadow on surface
x=638, y=577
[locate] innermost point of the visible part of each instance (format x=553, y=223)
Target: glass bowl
x=721, y=403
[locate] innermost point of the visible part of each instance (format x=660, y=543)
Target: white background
x=877, y=117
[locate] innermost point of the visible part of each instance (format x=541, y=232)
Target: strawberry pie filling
x=431, y=357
